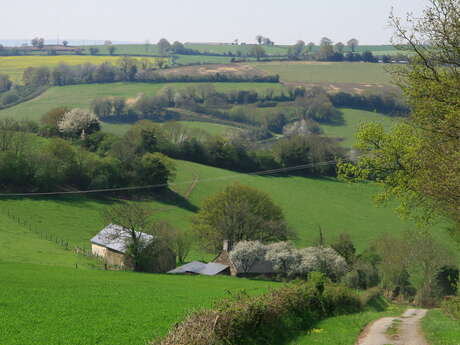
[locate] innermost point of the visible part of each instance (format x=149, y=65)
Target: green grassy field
x=14, y=66
x=353, y=118
x=20, y=245
x=307, y=203
x=44, y=305
x=192, y=59
x=345, y=329
x=441, y=329
x=219, y=48
x=328, y=72
x=211, y=128
x=82, y=95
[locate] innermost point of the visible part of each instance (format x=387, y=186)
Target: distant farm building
x=223, y=264
x=197, y=267
x=111, y=245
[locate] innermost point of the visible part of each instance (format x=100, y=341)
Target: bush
x=451, y=306
x=9, y=97
x=266, y=319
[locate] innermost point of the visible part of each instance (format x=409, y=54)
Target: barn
x=110, y=244
x=197, y=267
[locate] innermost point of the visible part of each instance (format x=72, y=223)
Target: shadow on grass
x=84, y=201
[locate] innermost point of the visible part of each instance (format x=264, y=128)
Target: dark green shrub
x=266, y=319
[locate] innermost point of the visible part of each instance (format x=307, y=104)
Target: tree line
x=77, y=154
x=126, y=69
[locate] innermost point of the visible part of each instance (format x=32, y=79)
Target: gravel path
x=409, y=331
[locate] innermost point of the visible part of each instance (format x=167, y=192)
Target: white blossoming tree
x=246, y=254
x=324, y=260
x=79, y=122
x=284, y=257
x=288, y=260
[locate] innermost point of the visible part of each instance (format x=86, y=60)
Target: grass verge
x=441, y=329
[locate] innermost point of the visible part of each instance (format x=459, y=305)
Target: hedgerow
x=273, y=317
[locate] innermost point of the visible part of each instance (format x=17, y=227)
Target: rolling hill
x=307, y=203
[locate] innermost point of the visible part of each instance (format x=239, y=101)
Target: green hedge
x=267, y=319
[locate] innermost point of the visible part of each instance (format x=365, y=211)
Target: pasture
x=14, y=66
x=202, y=59
x=20, y=245
x=307, y=203
x=328, y=72
x=225, y=48
x=210, y=128
x=82, y=95
x=353, y=118
x=45, y=305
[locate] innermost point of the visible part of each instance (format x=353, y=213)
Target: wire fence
x=48, y=236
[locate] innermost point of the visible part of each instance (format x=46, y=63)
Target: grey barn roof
x=198, y=267
x=112, y=238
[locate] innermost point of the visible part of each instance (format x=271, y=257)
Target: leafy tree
x=339, y=47
x=111, y=49
x=353, y=44
x=127, y=68
x=65, y=43
x=367, y=56
x=326, y=50
x=310, y=47
x=309, y=150
x=268, y=42
x=178, y=47
x=5, y=83
x=236, y=214
x=156, y=168
x=257, y=51
x=299, y=48
x=104, y=73
x=36, y=77
x=259, y=39
x=418, y=162
x=345, y=247
x=102, y=107
x=52, y=118
x=34, y=42
x=316, y=104
x=410, y=265
x=163, y=46
x=93, y=50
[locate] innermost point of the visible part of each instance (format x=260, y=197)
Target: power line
x=162, y=185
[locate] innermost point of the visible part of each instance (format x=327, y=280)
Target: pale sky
x=284, y=21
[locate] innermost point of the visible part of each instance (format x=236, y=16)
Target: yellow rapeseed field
x=15, y=65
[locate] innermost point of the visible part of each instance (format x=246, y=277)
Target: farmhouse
x=111, y=245
x=259, y=268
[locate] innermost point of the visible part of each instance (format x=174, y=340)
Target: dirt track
x=409, y=331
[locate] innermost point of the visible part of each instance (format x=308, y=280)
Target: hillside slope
x=308, y=203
